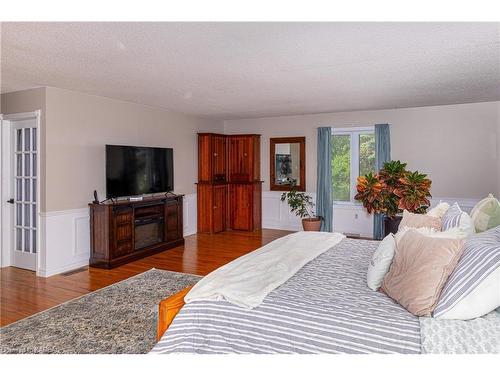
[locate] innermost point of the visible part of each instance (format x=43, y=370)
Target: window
x=353, y=154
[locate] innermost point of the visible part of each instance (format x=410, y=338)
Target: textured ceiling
x=242, y=70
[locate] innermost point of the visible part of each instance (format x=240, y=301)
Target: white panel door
x=24, y=174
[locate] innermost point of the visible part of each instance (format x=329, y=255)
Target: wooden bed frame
x=168, y=309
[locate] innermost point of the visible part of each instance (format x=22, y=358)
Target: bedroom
x=138, y=158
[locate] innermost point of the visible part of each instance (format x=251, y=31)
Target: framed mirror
x=287, y=163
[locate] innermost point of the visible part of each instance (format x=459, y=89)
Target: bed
x=326, y=307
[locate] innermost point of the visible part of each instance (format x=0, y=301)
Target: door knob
x=11, y=201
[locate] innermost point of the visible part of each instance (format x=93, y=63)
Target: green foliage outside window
x=341, y=162
x=366, y=154
x=341, y=167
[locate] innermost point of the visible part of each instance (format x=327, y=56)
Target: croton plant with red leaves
x=394, y=189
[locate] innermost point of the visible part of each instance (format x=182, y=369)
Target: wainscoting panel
x=65, y=237
x=65, y=241
x=351, y=219
x=276, y=214
x=189, y=214
x=82, y=238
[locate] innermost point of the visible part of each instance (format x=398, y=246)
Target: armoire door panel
x=257, y=206
x=240, y=159
x=205, y=158
x=219, y=208
x=241, y=207
x=205, y=204
x=256, y=159
x=219, y=158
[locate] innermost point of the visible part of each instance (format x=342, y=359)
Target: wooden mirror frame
x=302, y=168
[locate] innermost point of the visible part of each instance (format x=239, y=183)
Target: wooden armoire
x=229, y=186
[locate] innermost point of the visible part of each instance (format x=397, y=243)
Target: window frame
x=354, y=134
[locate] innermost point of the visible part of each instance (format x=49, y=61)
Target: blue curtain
x=382, y=155
x=324, y=202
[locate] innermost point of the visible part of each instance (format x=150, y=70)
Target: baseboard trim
x=69, y=267
x=281, y=226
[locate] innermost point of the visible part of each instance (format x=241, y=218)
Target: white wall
x=75, y=129
x=456, y=145
x=78, y=127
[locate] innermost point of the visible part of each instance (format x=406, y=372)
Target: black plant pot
x=391, y=225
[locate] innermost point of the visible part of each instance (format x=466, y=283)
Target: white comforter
x=247, y=280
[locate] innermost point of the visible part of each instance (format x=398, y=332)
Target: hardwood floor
x=23, y=294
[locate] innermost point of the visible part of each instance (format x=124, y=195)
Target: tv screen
x=138, y=170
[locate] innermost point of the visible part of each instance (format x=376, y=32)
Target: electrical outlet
x=356, y=216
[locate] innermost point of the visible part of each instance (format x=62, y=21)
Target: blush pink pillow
x=419, y=221
x=420, y=269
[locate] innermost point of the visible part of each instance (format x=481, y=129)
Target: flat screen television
x=134, y=170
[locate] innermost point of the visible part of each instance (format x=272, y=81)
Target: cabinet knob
x=215, y=154
x=245, y=154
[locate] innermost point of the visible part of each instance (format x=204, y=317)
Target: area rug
x=120, y=318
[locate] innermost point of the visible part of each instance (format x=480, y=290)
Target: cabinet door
x=172, y=225
x=205, y=203
x=123, y=228
x=240, y=159
x=219, y=158
x=205, y=157
x=219, y=208
x=241, y=207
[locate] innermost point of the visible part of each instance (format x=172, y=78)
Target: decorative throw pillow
x=456, y=218
x=411, y=220
x=456, y=233
x=486, y=214
x=420, y=269
x=380, y=262
x=383, y=256
x=473, y=288
x=439, y=210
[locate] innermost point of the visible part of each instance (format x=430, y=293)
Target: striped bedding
x=481, y=257
x=326, y=307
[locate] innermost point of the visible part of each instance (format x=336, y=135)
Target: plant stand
x=391, y=225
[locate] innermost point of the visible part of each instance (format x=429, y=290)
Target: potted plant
x=302, y=205
x=393, y=190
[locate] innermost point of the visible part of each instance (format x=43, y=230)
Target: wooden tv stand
x=123, y=231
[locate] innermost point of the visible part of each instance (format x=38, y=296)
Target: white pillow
x=473, y=288
x=381, y=262
x=455, y=217
x=439, y=210
x=480, y=301
x=486, y=214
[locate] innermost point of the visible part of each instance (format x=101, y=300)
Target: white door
x=24, y=193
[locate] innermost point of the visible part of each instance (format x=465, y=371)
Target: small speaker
x=96, y=198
